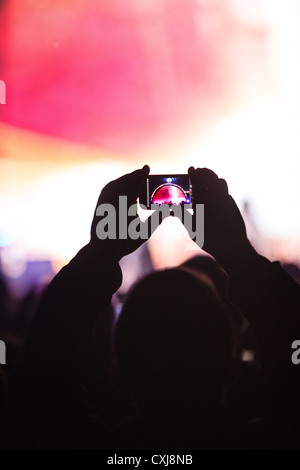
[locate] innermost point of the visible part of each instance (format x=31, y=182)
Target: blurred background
x=98, y=88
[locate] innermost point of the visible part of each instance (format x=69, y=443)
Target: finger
x=204, y=185
x=223, y=187
x=144, y=173
x=206, y=178
x=136, y=181
x=132, y=180
x=127, y=185
x=199, y=186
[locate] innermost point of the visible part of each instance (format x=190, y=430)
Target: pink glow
x=168, y=194
x=109, y=75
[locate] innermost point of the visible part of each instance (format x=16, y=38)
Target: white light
x=13, y=261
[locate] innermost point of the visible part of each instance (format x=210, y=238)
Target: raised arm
x=268, y=297
x=48, y=385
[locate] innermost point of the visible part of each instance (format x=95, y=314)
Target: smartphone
x=166, y=189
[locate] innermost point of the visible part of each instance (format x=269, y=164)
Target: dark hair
x=175, y=337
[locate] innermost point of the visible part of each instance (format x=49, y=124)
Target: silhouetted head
x=208, y=265
x=175, y=341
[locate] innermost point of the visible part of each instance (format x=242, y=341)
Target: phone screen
x=166, y=189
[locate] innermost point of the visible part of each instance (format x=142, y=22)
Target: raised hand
x=114, y=229
x=224, y=228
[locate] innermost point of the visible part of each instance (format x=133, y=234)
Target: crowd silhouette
x=172, y=373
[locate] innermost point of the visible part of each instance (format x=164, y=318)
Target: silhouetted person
x=247, y=395
x=175, y=343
